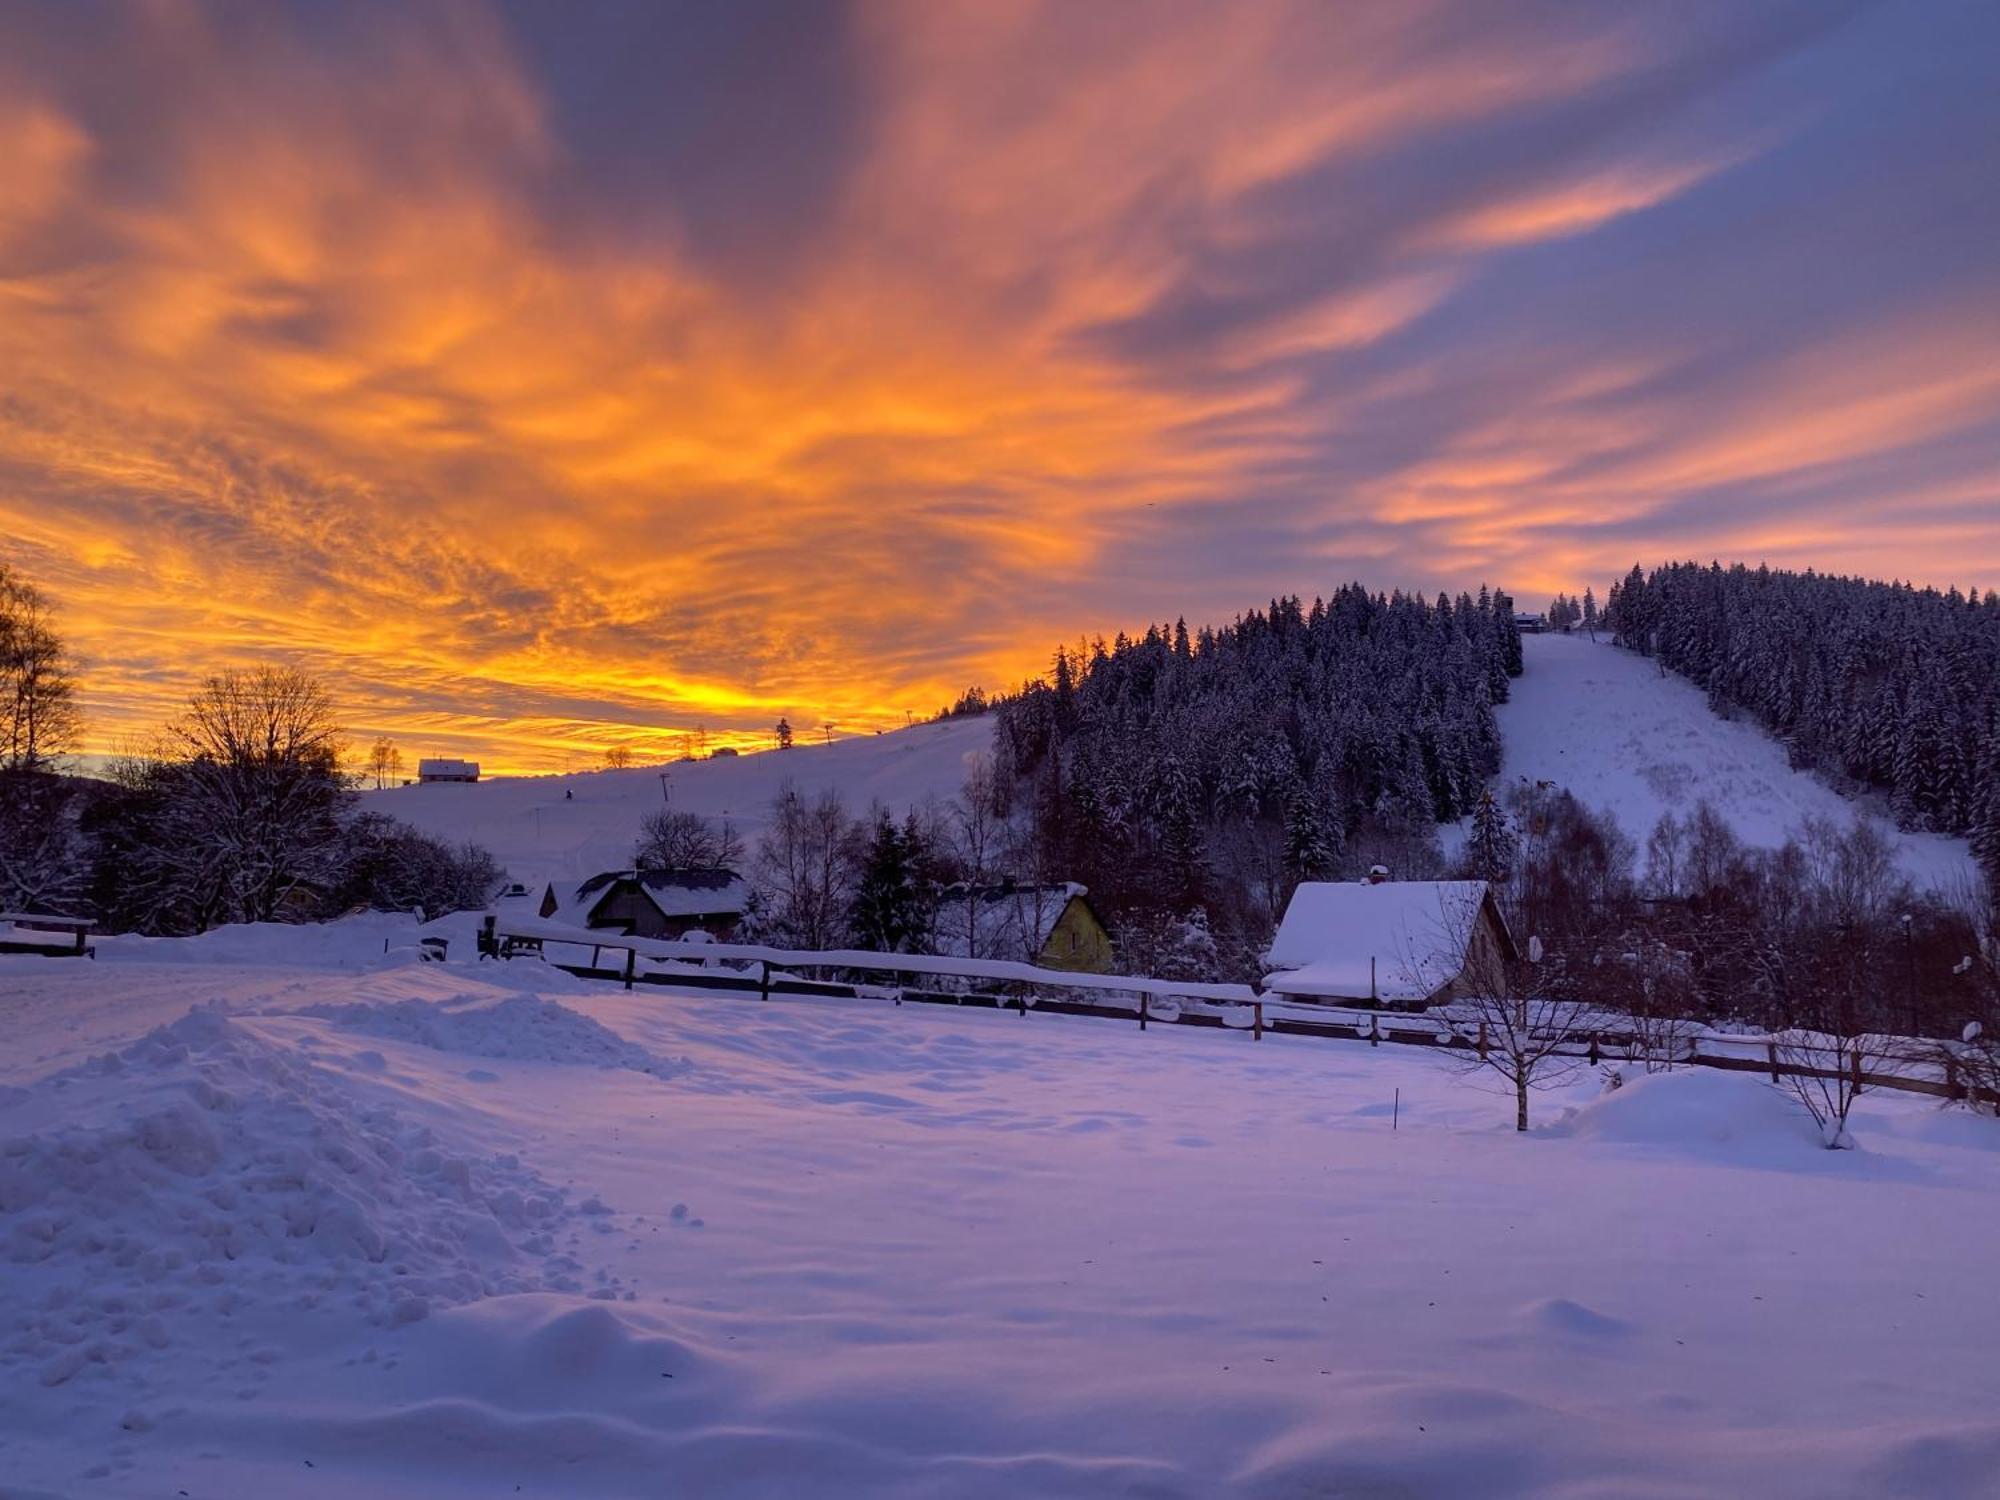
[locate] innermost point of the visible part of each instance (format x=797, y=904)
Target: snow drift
x=203, y=1174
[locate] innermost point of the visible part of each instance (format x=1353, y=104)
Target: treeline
x=1880, y=686
x=238, y=812
x=1191, y=780
x=1822, y=933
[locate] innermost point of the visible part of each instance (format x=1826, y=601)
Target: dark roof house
x=652, y=903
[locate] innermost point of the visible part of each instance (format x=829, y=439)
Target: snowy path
x=1606, y=725
x=969, y=1254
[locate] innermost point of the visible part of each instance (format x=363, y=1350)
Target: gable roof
x=1001, y=921
x=676, y=893
x=1398, y=940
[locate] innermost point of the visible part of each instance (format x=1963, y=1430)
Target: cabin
x=1053, y=925
x=1400, y=944
x=447, y=770
x=1529, y=624
x=668, y=904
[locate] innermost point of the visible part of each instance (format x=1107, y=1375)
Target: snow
x=1604, y=724
x=339, y=1222
x=1399, y=940
x=538, y=834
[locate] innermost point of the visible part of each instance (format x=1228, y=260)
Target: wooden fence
x=1905, y=1064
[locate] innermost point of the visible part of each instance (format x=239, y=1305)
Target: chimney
x=1377, y=874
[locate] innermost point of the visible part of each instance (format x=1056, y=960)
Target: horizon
x=549, y=381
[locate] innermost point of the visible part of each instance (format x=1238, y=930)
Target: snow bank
x=205, y=1174
x=1701, y=1114
x=363, y=941
x=519, y=1028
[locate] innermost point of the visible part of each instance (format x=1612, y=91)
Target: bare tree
x=671, y=840
x=1666, y=857
x=977, y=838
x=39, y=717
x=238, y=816
x=1822, y=1052
x=804, y=869
x=1506, y=1025
x=385, y=762
x=617, y=757
x=41, y=853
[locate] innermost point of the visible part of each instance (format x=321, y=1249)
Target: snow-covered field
x=315, y=1220
x=539, y=834
x=1605, y=724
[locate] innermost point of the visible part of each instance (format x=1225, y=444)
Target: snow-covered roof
x=1396, y=940
x=676, y=893
x=447, y=768
x=1000, y=921
x=568, y=907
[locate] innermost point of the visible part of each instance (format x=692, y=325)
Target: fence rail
x=1904, y=1064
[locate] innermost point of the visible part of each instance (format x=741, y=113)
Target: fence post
x=1257, y=1021
x=1142, y=1010
x=1855, y=1058
x=1772, y=1048
x=1593, y=1049
x=763, y=979
x=1482, y=1039
x=631, y=962
x=1950, y=1076
x=1374, y=1031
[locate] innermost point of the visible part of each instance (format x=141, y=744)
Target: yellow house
x=1054, y=926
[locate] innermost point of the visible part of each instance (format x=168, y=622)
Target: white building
x=447, y=770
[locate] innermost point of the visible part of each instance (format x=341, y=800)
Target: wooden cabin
x=1401, y=944
x=666, y=904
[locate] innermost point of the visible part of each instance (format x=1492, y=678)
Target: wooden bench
x=68, y=936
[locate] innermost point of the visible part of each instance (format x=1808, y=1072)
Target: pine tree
x=1986, y=831
x=784, y=733
x=885, y=916
x=1312, y=840
x=1490, y=846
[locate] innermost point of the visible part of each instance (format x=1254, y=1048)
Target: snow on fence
x=1909, y=1064
x=44, y=932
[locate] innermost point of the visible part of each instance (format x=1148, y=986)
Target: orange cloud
x=330, y=346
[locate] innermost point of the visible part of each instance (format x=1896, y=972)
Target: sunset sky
x=550, y=376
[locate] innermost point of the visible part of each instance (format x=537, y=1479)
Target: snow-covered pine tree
x=885, y=914
x=1489, y=847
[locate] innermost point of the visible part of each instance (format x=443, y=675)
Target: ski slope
x=1603, y=723
x=356, y=1225
x=1585, y=715
x=539, y=834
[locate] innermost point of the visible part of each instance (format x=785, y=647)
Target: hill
x=539, y=833
x=1585, y=715
x=1603, y=723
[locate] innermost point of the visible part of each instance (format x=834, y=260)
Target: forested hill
x=1177, y=773
x=1887, y=686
